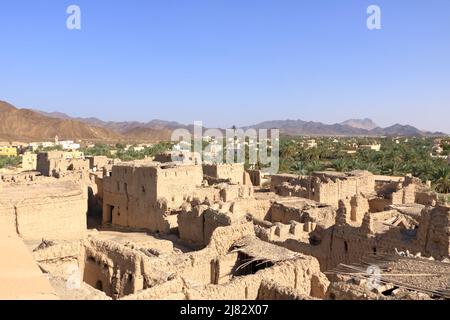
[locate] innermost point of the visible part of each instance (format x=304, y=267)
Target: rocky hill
x=25, y=124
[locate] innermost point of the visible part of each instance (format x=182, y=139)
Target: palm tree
x=300, y=168
x=340, y=165
x=314, y=166
x=442, y=178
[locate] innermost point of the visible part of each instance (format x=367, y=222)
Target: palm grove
x=396, y=157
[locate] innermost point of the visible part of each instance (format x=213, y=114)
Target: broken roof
x=263, y=251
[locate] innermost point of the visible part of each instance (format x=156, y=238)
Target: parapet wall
x=324, y=187
x=233, y=172
x=329, y=189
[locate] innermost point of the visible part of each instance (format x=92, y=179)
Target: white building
x=374, y=147
x=69, y=145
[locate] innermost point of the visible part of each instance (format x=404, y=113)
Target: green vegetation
x=446, y=148
x=119, y=151
x=6, y=162
x=408, y=156
x=48, y=149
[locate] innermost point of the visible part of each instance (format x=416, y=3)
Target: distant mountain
x=25, y=124
x=404, y=130
x=300, y=127
x=157, y=130
x=366, y=124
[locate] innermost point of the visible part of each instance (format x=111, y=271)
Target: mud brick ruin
x=103, y=229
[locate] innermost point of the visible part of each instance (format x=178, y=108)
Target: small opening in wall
x=346, y=246
x=389, y=291
x=99, y=285
x=246, y=265
x=109, y=212
x=314, y=240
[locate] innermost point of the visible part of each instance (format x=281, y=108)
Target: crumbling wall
x=98, y=162
x=255, y=177
x=170, y=290
x=175, y=184
x=5, y=179
x=200, y=267
x=234, y=172
x=359, y=207
x=378, y=204
x=258, y=208
x=207, y=193
x=191, y=223
x=95, y=193
x=270, y=290
x=288, y=185
x=426, y=198
x=303, y=275
x=329, y=189
x=231, y=192
x=302, y=211
x=324, y=187
x=57, y=163
x=29, y=161
x=141, y=196
x=403, y=195
x=434, y=231
x=112, y=268
x=214, y=219
x=52, y=209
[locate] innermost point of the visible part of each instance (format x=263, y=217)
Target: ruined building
x=58, y=163
x=161, y=230
x=149, y=195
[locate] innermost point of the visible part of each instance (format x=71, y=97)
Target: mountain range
x=28, y=124
x=352, y=127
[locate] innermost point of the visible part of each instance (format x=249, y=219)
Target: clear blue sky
x=230, y=62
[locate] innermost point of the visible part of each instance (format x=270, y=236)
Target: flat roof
x=40, y=189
